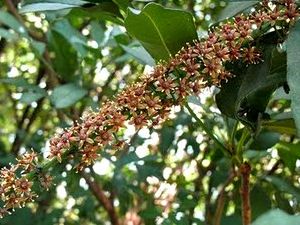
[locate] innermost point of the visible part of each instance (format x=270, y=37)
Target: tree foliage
x=143, y=112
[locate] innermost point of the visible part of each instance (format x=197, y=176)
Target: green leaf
x=284, y=126
x=260, y=201
x=123, y=4
x=16, y=81
x=166, y=139
x=97, y=32
x=66, y=95
x=33, y=95
x=66, y=60
x=74, y=37
x=293, y=72
x=7, y=19
x=49, y=5
x=265, y=140
x=246, y=96
x=289, y=153
x=107, y=11
x=8, y=34
x=284, y=186
x=138, y=52
x=162, y=31
x=234, y=7
x=277, y=217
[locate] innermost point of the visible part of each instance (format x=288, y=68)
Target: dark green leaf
x=107, y=11
x=260, y=202
x=123, y=4
x=246, y=96
x=284, y=126
x=293, y=71
x=33, y=95
x=161, y=31
x=234, y=7
x=166, y=139
x=76, y=39
x=7, y=19
x=48, y=5
x=97, y=33
x=284, y=186
x=66, y=95
x=277, y=217
x=65, y=61
x=265, y=140
x=289, y=153
x=140, y=54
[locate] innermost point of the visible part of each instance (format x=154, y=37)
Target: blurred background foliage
x=57, y=64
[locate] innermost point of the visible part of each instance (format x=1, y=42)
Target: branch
x=101, y=197
x=221, y=198
x=245, y=170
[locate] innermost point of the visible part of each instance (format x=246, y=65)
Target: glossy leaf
x=234, y=7
x=265, y=140
x=289, y=153
x=160, y=30
x=278, y=217
x=284, y=186
x=97, y=33
x=49, y=5
x=140, y=54
x=293, y=72
x=76, y=39
x=33, y=95
x=284, y=126
x=10, y=21
x=67, y=95
x=65, y=62
x=106, y=11
x=260, y=201
x=246, y=96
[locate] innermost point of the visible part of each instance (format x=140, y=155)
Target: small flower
x=104, y=137
x=191, y=67
x=222, y=52
x=117, y=121
x=13, y=202
x=166, y=85
x=153, y=102
x=46, y=181
x=213, y=67
x=139, y=121
x=23, y=186
x=3, y=212
x=27, y=161
x=251, y=55
x=89, y=155
x=291, y=12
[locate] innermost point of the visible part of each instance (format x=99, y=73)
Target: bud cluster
x=148, y=101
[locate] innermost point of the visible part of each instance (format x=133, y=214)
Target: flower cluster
x=15, y=191
x=149, y=101
x=198, y=65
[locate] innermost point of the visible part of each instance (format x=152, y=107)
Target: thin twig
x=208, y=131
x=102, y=198
x=221, y=198
x=245, y=171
